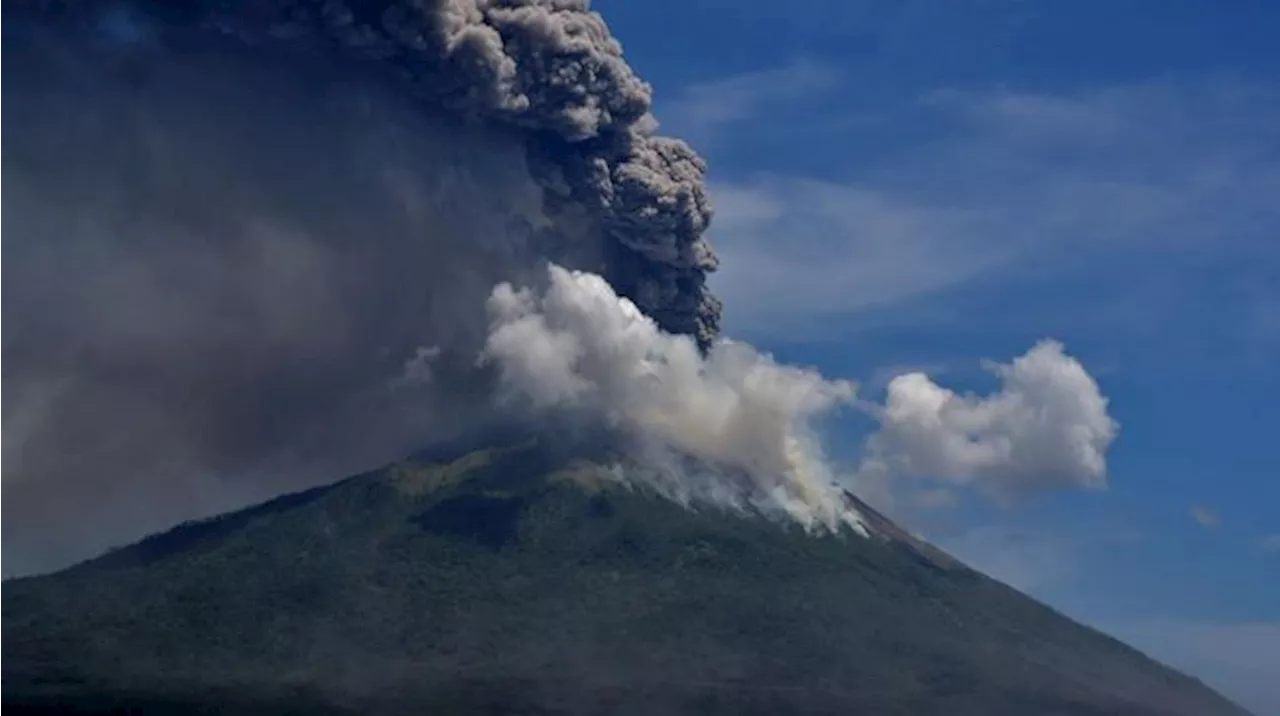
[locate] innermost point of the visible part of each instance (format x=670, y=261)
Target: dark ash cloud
x=234, y=229
x=254, y=246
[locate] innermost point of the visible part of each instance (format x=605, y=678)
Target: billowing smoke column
x=248, y=244
x=255, y=245
x=581, y=348
x=548, y=70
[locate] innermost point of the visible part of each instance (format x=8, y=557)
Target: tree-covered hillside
x=519, y=580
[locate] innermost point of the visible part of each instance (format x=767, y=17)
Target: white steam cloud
x=1047, y=427
x=578, y=346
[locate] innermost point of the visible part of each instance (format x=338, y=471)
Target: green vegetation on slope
x=514, y=580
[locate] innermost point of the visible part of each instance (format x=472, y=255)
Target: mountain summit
x=520, y=579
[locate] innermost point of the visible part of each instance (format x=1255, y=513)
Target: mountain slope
x=517, y=580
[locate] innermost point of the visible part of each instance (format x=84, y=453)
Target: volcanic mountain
x=526, y=579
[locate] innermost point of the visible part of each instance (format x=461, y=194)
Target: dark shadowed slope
x=516, y=581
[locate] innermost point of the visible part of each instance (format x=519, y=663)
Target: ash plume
x=253, y=246
x=249, y=244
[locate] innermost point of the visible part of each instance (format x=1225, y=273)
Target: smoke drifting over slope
x=579, y=347
x=253, y=246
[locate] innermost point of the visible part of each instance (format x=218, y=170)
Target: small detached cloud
x=702, y=108
x=1205, y=516
x=1047, y=427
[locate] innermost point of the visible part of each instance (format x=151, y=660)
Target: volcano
x=258, y=245
x=525, y=578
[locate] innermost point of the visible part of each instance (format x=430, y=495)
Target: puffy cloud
x=578, y=347
x=1205, y=516
x=1047, y=427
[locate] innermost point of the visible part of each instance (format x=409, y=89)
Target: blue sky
x=924, y=185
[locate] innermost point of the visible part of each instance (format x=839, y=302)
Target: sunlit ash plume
x=252, y=246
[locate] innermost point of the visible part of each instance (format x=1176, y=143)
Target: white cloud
x=578, y=346
x=798, y=249
x=1013, y=187
x=704, y=107
x=1047, y=427
x=1039, y=117
x=1204, y=516
x=881, y=376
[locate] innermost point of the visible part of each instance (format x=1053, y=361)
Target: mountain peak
x=521, y=578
